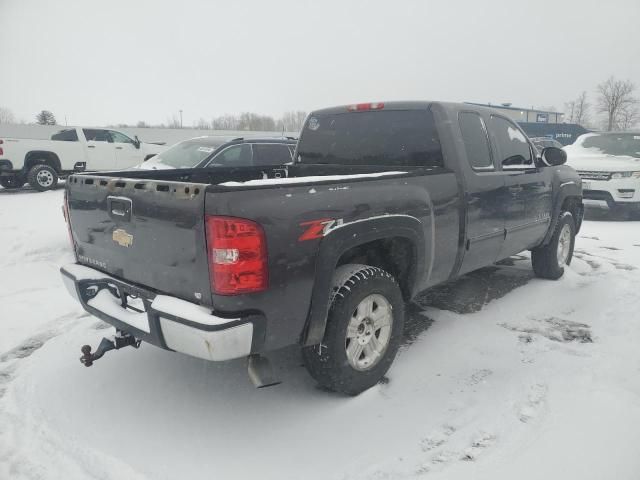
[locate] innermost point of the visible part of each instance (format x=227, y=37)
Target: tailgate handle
x=119, y=208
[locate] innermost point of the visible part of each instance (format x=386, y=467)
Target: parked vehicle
x=220, y=151
x=543, y=142
x=383, y=201
x=609, y=165
x=42, y=162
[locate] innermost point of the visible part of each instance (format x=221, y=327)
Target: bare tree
x=142, y=124
x=173, y=121
x=202, y=124
x=45, y=117
x=6, y=116
x=225, y=122
x=628, y=117
x=291, y=121
x=582, y=105
x=615, y=97
x=570, y=111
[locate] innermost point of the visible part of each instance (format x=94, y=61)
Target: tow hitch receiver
x=118, y=341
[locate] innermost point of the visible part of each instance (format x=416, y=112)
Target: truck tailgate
x=149, y=232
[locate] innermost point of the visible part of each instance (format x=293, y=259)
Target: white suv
x=609, y=165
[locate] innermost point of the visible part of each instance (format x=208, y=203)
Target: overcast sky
x=120, y=61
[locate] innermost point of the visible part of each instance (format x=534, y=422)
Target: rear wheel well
x=42, y=158
x=395, y=255
x=573, y=205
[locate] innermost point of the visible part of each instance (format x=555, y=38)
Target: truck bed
x=167, y=247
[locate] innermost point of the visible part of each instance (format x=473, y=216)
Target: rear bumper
x=167, y=322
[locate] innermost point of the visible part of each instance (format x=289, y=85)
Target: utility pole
x=180, y=118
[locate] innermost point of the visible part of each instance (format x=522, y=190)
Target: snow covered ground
x=502, y=376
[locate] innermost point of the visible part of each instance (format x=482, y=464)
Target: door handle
x=515, y=190
x=118, y=148
x=91, y=146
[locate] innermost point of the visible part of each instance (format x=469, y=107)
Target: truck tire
x=364, y=330
x=12, y=182
x=549, y=261
x=42, y=177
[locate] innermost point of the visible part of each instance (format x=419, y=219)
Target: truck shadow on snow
x=26, y=189
x=469, y=293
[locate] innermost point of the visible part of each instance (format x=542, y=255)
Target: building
x=525, y=115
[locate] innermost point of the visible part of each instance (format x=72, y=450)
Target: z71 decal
x=315, y=229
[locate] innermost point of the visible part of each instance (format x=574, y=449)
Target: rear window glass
x=65, y=136
x=393, y=137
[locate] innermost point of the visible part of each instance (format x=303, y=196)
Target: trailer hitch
x=118, y=341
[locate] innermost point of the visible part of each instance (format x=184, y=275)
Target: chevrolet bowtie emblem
x=122, y=238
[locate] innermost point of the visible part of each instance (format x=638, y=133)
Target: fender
x=566, y=189
x=50, y=157
x=346, y=236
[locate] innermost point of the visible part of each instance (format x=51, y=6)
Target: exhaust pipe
x=260, y=371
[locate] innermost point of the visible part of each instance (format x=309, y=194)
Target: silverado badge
x=122, y=238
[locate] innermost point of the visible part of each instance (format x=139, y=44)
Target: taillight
x=1, y=151
x=361, y=107
x=237, y=253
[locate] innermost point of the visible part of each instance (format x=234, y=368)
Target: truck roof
x=407, y=105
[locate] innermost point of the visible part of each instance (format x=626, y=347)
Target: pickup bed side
x=400, y=219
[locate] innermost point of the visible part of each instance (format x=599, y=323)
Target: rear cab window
x=403, y=138
x=65, y=136
x=476, y=140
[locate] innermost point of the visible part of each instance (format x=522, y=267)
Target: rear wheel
x=12, y=182
x=42, y=177
x=364, y=329
x=549, y=261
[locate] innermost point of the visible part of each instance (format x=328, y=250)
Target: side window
x=233, y=156
x=118, y=137
x=270, y=154
x=65, y=136
x=94, y=135
x=513, y=148
x=476, y=142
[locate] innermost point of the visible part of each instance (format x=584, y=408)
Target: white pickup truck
x=42, y=162
x=609, y=165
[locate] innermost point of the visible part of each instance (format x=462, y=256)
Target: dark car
x=544, y=142
x=223, y=151
x=383, y=200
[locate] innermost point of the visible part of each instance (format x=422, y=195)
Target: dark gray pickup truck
x=382, y=201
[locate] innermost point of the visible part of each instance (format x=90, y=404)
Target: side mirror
x=553, y=156
x=136, y=142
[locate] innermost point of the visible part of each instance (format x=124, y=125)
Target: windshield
x=186, y=154
x=619, y=144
